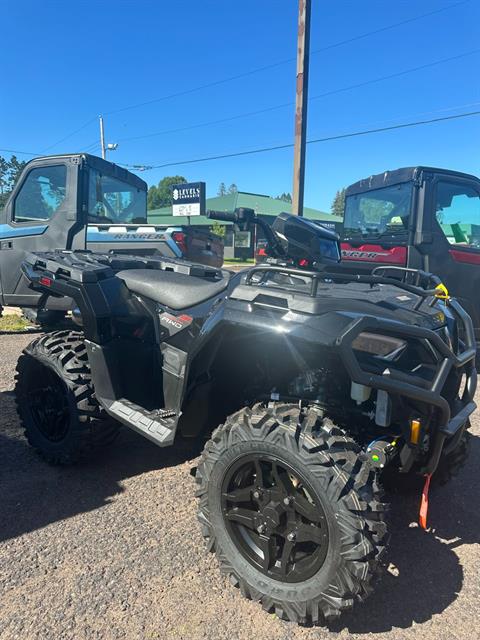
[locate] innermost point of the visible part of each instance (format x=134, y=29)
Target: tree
x=285, y=197
x=338, y=204
x=218, y=228
x=16, y=168
x=233, y=188
x=10, y=171
x=161, y=195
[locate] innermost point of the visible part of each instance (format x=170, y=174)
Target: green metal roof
x=262, y=205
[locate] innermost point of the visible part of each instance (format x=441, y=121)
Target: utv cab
x=421, y=218
x=81, y=202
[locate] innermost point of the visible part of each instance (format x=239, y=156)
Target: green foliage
x=13, y=323
x=338, y=204
x=285, y=197
x=161, y=195
x=10, y=171
x=219, y=229
x=373, y=210
x=233, y=188
x=222, y=189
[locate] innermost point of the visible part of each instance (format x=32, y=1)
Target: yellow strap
x=442, y=292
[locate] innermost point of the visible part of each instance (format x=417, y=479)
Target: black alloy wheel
x=291, y=508
x=56, y=400
x=274, y=518
x=47, y=403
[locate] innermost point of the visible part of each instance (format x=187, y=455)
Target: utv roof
x=103, y=166
x=405, y=174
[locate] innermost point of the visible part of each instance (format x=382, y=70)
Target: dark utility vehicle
x=422, y=218
x=322, y=383
x=79, y=201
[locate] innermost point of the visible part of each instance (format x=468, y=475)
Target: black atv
x=323, y=385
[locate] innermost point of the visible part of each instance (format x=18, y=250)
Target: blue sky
x=66, y=62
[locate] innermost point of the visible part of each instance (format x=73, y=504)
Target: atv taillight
x=47, y=282
x=261, y=252
x=303, y=263
x=180, y=240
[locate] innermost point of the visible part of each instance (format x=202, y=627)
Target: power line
x=282, y=62
x=21, y=153
x=257, y=70
x=316, y=97
x=314, y=141
x=388, y=27
x=397, y=74
x=69, y=135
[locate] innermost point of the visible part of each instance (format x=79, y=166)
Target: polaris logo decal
x=174, y=324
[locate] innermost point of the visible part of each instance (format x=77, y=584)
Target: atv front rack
x=424, y=285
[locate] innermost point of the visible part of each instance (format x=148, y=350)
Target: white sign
x=188, y=199
x=192, y=209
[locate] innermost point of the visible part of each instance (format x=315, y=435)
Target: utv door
x=41, y=214
x=451, y=225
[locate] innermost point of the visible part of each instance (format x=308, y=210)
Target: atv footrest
x=158, y=425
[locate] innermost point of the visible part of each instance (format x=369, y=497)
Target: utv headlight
x=376, y=344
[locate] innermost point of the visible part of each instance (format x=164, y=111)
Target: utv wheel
x=56, y=401
x=292, y=511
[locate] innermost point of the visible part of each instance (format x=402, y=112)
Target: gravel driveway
x=112, y=550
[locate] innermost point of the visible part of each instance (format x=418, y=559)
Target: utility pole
x=102, y=137
x=301, y=101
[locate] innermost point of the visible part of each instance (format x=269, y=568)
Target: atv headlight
x=376, y=344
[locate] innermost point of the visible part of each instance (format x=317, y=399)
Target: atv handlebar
x=224, y=216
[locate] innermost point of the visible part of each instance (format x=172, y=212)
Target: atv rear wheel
x=47, y=319
x=56, y=402
x=291, y=508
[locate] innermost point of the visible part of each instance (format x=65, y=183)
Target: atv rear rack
x=86, y=266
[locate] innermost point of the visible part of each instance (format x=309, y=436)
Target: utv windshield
x=378, y=213
x=113, y=201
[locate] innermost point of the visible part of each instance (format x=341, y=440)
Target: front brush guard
x=406, y=385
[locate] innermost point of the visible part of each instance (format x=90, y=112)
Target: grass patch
x=14, y=323
x=238, y=261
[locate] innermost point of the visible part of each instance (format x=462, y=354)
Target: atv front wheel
x=291, y=508
x=56, y=402
x=451, y=462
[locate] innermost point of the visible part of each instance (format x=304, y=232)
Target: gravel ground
x=112, y=550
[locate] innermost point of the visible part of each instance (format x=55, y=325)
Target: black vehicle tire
x=451, y=463
x=310, y=458
x=56, y=401
x=47, y=319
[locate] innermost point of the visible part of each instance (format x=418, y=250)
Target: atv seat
x=174, y=290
